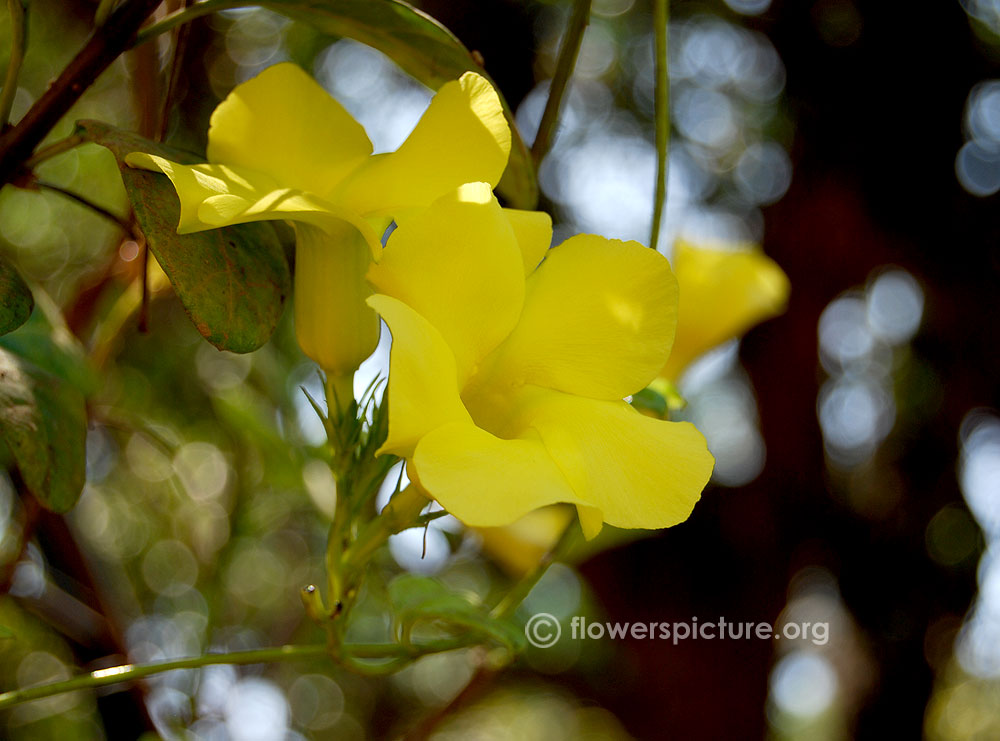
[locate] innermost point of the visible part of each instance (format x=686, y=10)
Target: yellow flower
x=723, y=293
x=507, y=378
x=279, y=147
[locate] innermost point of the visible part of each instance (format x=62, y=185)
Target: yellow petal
x=723, y=293
x=533, y=230
x=638, y=471
x=519, y=547
x=284, y=124
x=598, y=319
x=463, y=137
x=212, y=196
x=423, y=388
x=591, y=521
x=458, y=265
x=333, y=324
x=486, y=481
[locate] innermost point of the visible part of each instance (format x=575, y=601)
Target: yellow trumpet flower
x=507, y=379
x=279, y=147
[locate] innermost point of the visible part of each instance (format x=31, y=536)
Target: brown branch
x=106, y=44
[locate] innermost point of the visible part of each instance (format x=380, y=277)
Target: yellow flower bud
x=723, y=293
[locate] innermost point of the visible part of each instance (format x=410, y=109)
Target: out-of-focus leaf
x=245, y=416
x=5, y=633
x=43, y=420
x=16, y=301
x=419, y=598
x=231, y=281
x=426, y=50
x=40, y=654
x=47, y=343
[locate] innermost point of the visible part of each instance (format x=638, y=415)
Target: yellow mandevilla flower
x=279, y=147
x=723, y=293
x=507, y=378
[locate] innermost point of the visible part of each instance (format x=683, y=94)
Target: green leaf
x=43, y=420
x=419, y=598
x=47, y=343
x=426, y=50
x=16, y=301
x=6, y=633
x=231, y=281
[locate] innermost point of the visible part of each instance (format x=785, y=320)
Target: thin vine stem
x=52, y=150
x=18, y=44
x=564, y=70
x=512, y=600
x=123, y=224
x=128, y=672
x=661, y=102
x=353, y=656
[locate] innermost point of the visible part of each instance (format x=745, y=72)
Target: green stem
x=399, y=651
x=99, y=210
x=127, y=672
x=353, y=656
x=18, y=43
x=398, y=655
x=51, y=150
x=339, y=395
x=345, y=564
x=335, y=587
x=661, y=97
x=564, y=70
x=400, y=513
x=512, y=600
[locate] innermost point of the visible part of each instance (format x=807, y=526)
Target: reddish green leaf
x=232, y=281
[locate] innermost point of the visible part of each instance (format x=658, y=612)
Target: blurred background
x=857, y=435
